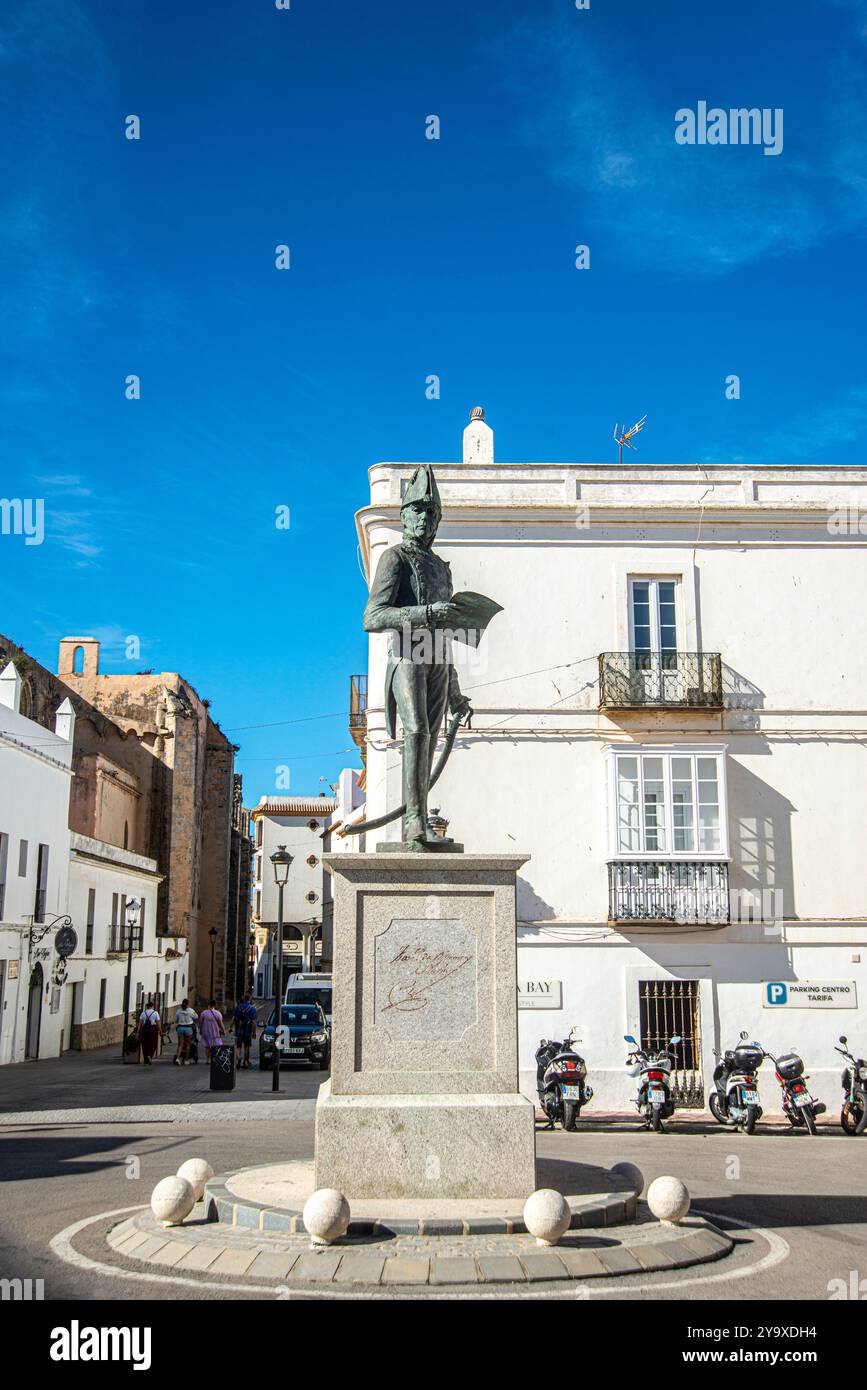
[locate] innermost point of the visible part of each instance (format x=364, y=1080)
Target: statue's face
x=420, y=521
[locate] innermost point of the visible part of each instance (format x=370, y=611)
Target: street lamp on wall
x=212, y=933
x=281, y=860
x=132, y=917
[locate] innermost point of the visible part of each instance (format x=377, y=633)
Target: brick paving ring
x=249, y=1225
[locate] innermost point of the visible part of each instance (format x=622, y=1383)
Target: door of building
x=71, y=1013
x=667, y=1008
x=34, y=1013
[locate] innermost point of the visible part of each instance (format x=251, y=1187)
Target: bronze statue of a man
x=411, y=597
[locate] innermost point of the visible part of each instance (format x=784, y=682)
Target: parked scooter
x=735, y=1099
x=561, y=1074
x=653, y=1070
x=853, y=1116
x=799, y=1106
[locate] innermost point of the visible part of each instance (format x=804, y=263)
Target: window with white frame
x=668, y=803
x=653, y=616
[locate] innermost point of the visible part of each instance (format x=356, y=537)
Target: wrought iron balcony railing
x=677, y=890
x=666, y=680
x=358, y=710
x=118, y=939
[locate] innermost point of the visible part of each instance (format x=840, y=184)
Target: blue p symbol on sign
x=777, y=993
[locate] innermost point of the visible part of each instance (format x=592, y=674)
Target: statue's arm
x=380, y=614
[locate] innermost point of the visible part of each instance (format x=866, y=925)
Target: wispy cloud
x=806, y=437
x=812, y=432
x=606, y=133
x=64, y=484
x=72, y=531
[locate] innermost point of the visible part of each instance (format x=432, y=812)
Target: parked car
x=304, y=1037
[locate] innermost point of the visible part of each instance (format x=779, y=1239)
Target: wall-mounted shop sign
x=809, y=994
x=540, y=994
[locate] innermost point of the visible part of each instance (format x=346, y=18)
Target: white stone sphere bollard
x=632, y=1175
x=197, y=1172
x=172, y=1200
x=325, y=1215
x=668, y=1200
x=547, y=1215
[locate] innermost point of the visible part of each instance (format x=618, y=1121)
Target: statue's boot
x=416, y=776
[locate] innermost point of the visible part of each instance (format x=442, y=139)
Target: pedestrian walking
x=185, y=1023
x=148, y=1031
x=211, y=1027
x=244, y=1017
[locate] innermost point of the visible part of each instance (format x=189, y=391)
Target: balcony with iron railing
x=660, y=680
x=118, y=939
x=358, y=711
x=678, y=890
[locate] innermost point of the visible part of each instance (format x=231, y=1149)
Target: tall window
x=91, y=914
x=653, y=618
x=668, y=803
x=22, y=859
x=102, y=988
x=4, y=859
x=41, y=899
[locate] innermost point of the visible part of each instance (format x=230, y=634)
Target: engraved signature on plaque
x=423, y=971
x=426, y=979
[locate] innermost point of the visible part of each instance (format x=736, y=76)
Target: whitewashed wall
x=773, y=579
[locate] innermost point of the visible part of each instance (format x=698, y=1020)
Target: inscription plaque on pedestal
x=425, y=985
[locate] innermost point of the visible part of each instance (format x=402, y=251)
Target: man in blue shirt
x=244, y=1016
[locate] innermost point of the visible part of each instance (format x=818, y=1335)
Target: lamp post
x=212, y=933
x=281, y=860
x=132, y=913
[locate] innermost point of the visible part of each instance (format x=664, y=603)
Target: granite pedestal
x=423, y=1099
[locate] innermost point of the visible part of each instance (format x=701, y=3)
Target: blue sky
x=262, y=388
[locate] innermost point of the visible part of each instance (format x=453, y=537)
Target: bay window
x=668, y=802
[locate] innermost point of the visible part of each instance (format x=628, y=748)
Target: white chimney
x=10, y=688
x=478, y=438
x=64, y=720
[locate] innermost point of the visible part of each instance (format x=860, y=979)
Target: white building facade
x=302, y=825
x=669, y=720
x=53, y=999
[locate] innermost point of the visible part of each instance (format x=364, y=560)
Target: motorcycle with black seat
x=799, y=1106
x=735, y=1098
x=561, y=1080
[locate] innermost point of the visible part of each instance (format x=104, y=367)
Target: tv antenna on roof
x=627, y=436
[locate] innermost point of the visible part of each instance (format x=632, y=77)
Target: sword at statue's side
x=358, y=827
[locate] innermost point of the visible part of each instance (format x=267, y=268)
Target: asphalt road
x=809, y=1191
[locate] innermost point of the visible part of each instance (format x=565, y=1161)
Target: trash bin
x=223, y=1067
x=132, y=1049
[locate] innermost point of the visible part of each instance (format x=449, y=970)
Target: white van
x=310, y=989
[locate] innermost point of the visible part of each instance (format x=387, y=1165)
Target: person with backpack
x=244, y=1016
x=148, y=1031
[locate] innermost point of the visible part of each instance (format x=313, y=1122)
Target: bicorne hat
x=423, y=488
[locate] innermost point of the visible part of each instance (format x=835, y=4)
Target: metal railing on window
x=358, y=708
x=118, y=939
x=633, y=680
x=670, y=1008
x=669, y=891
